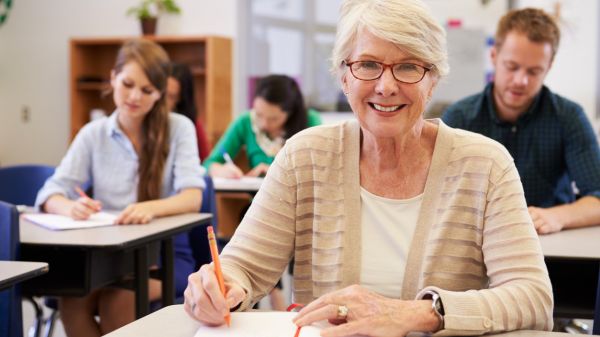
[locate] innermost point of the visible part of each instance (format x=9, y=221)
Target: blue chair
x=198, y=236
x=197, y=240
x=19, y=184
x=11, y=320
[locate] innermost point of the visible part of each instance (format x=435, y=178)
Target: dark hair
x=284, y=92
x=186, y=104
x=153, y=59
x=536, y=24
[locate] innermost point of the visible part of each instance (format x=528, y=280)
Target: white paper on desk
x=61, y=222
x=249, y=183
x=261, y=324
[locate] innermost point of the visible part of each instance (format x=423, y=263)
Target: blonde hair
x=155, y=148
x=406, y=23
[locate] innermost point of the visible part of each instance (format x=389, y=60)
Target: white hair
x=406, y=23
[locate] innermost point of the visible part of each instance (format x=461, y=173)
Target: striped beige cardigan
x=474, y=242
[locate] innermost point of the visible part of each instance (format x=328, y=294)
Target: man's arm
x=581, y=213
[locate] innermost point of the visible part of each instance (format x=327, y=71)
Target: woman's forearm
x=186, y=201
x=58, y=204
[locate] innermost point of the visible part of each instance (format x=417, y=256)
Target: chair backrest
x=20, y=184
x=11, y=321
x=198, y=236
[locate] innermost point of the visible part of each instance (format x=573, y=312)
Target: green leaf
x=143, y=10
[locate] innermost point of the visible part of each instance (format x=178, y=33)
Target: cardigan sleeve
x=519, y=294
x=263, y=243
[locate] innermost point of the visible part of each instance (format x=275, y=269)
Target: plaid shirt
x=552, y=143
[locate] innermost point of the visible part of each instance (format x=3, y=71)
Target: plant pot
x=148, y=26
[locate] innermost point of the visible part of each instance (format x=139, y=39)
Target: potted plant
x=149, y=10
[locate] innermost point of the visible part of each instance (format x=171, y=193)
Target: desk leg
x=596, y=329
x=141, y=282
x=168, y=258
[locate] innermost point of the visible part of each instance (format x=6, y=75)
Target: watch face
x=438, y=305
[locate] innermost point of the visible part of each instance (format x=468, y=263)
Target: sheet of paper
x=244, y=183
x=61, y=222
x=261, y=324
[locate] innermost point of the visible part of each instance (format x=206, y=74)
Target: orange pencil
x=214, y=252
x=81, y=192
x=84, y=195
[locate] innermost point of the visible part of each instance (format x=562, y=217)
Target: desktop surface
x=110, y=236
x=173, y=321
x=13, y=272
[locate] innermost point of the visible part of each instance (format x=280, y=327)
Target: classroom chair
x=11, y=320
x=197, y=240
x=19, y=184
x=198, y=237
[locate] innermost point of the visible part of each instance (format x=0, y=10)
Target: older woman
x=396, y=223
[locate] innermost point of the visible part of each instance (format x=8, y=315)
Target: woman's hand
x=204, y=300
x=368, y=314
x=225, y=171
x=259, y=171
x=84, y=207
x=138, y=213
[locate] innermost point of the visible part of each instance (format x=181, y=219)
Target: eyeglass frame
x=388, y=65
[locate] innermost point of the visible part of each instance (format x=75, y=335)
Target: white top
x=387, y=230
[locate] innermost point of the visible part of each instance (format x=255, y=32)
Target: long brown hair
x=153, y=59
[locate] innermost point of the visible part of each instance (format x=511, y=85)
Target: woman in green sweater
x=278, y=112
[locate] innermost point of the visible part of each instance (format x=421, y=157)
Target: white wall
x=34, y=63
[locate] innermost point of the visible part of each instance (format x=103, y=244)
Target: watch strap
x=436, y=306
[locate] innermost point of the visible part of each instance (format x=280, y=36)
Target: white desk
x=245, y=184
x=82, y=260
x=13, y=272
x=174, y=322
x=581, y=244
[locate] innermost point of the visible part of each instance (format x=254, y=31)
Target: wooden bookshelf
x=209, y=58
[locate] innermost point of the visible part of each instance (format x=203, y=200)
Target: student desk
x=82, y=260
x=576, y=245
x=174, y=322
x=13, y=272
x=233, y=196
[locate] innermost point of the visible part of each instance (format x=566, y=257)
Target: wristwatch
x=436, y=305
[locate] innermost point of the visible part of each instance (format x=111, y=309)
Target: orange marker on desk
x=214, y=252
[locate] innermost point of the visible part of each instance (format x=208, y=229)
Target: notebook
x=61, y=222
x=261, y=324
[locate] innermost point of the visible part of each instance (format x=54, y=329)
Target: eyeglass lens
x=403, y=72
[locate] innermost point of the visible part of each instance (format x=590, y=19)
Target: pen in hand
x=230, y=170
x=214, y=252
x=227, y=158
x=82, y=194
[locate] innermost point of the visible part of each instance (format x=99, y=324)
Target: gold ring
x=342, y=312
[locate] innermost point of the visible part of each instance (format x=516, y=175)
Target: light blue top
x=103, y=157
